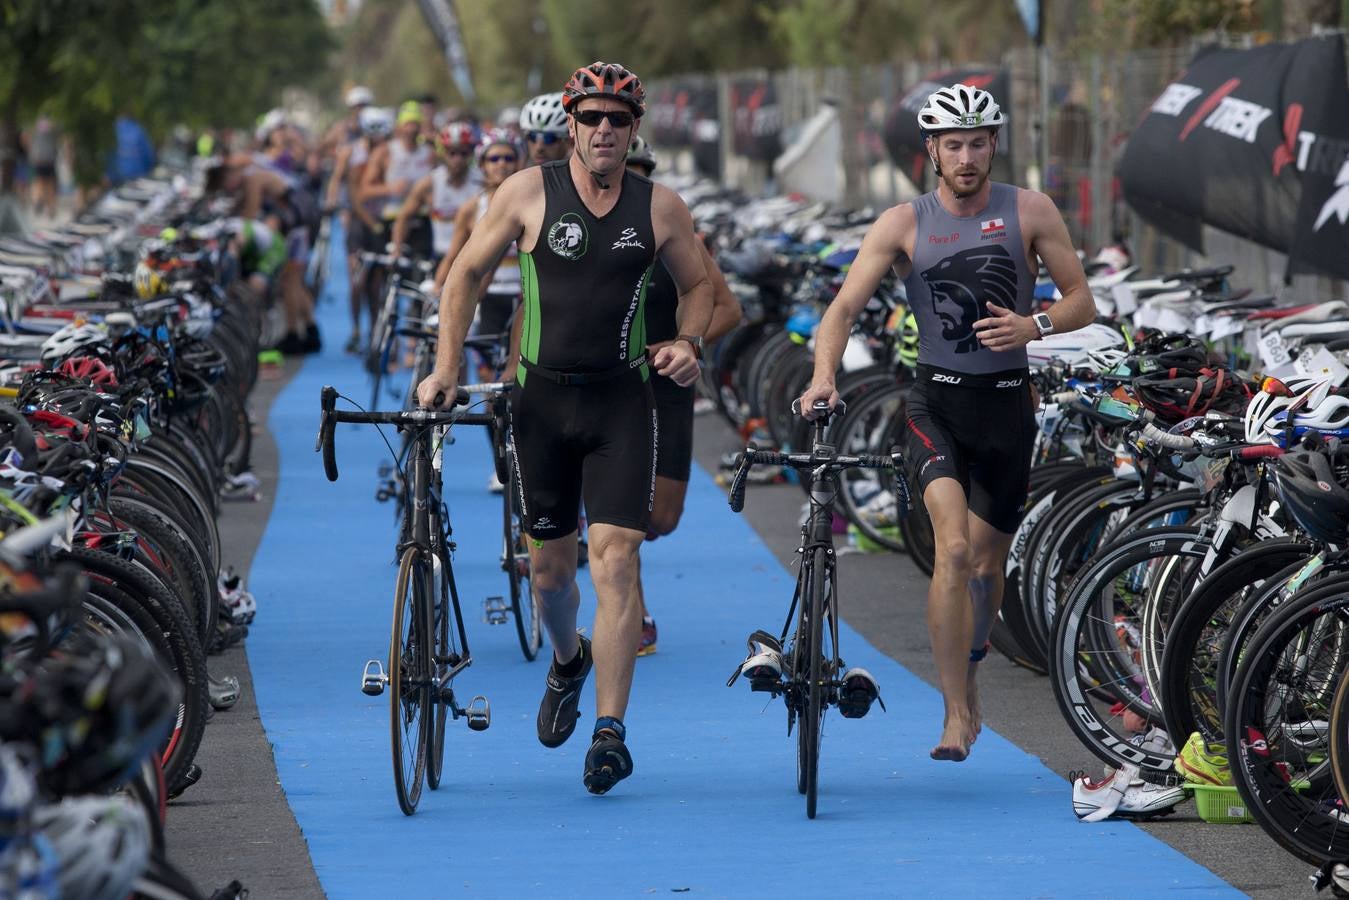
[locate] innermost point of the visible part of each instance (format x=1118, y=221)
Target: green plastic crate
x=1220, y=804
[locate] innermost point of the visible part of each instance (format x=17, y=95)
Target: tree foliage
x=198, y=62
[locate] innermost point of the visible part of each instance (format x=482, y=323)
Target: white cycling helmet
x=641, y=153
x=1331, y=413
x=70, y=339
x=359, y=96
x=376, y=122
x=1073, y=347
x=1267, y=403
x=959, y=107
x=1105, y=359
x=544, y=113
x=103, y=844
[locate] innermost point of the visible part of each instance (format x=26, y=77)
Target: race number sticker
x=1321, y=363
x=1273, y=351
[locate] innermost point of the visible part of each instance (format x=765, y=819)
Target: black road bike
x=812, y=678
x=429, y=646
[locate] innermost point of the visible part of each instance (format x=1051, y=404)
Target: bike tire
x=516, y=561
x=409, y=684
x=812, y=722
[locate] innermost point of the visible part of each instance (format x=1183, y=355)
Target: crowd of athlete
x=553, y=229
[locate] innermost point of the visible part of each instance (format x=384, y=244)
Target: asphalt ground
x=236, y=822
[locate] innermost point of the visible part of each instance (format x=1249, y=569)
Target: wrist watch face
x=1043, y=324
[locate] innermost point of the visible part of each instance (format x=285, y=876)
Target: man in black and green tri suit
x=582, y=414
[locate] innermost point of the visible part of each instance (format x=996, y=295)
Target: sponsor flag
x=1255, y=143
x=992, y=226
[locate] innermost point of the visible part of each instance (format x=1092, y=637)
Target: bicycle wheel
x=515, y=560
x=1095, y=664
x=1339, y=735
x=442, y=659
x=409, y=679
x=1277, y=723
x=816, y=672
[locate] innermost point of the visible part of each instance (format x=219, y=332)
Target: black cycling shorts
x=593, y=441
x=979, y=430
x=674, y=412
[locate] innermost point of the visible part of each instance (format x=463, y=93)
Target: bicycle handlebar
x=488, y=387
x=1165, y=439
x=751, y=457
x=330, y=416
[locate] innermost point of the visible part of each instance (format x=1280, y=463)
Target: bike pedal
x=479, y=713
x=496, y=611
x=766, y=685
x=373, y=678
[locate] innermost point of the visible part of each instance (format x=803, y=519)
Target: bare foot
x=955, y=743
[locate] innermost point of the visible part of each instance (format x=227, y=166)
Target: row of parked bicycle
x=128, y=354
x=1180, y=572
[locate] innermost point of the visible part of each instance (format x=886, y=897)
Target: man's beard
x=961, y=195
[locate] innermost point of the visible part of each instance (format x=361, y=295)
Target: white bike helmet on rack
x=1330, y=414
x=544, y=113
x=1266, y=404
x=1073, y=347
x=71, y=339
x=103, y=844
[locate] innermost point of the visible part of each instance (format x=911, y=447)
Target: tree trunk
x=9, y=144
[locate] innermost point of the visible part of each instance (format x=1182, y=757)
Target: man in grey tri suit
x=968, y=255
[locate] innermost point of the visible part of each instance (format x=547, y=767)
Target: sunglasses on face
x=593, y=117
x=542, y=137
x=499, y=157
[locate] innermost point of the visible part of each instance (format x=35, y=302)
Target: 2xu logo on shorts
x=946, y=379
x=567, y=237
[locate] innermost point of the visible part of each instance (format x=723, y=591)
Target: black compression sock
x=573, y=668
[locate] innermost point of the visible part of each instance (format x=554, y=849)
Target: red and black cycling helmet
x=1311, y=486
x=1173, y=397
x=601, y=79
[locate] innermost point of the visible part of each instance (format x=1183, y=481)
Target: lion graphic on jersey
x=960, y=286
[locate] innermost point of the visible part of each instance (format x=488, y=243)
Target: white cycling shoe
x=1124, y=795
x=859, y=691
x=763, y=667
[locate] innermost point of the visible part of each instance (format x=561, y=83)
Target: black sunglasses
x=591, y=118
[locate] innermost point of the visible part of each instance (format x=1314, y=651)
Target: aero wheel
x=442, y=651
x=817, y=673
x=515, y=560
x=409, y=679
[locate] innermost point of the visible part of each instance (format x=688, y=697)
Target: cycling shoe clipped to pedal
x=763, y=666
x=859, y=691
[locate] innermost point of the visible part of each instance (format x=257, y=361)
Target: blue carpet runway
x=712, y=808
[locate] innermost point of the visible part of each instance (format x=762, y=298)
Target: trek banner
x=757, y=118
x=905, y=141
x=1255, y=143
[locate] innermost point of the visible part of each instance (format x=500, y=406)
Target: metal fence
x=1088, y=105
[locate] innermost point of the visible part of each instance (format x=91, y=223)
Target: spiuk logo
x=628, y=239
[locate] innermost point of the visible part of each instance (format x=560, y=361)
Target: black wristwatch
x=695, y=341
